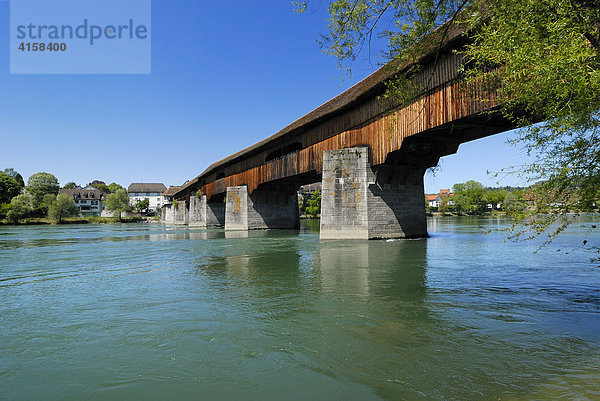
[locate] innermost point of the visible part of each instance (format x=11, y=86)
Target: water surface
x=151, y=312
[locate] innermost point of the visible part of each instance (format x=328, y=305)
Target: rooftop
x=147, y=187
x=171, y=191
x=80, y=193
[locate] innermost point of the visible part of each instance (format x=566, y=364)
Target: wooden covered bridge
x=370, y=154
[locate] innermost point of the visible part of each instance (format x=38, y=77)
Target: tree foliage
x=101, y=187
x=39, y=185
x=118, y=202
x=48, y=200
x=20, y=208
x=14, y=174
x=541, y=59
x=4, y=208
x=9, y=188
x=548, y=53
x=472, y=198
x=469, y=197
x=114, y=187
x=70, y=185
x=108, y=189
x=313, y=207
x=444, y=203
x=514, y=202
x=495, y=197
x=62, y=206
x=142, y=205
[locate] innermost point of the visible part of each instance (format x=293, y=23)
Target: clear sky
x=224, y=76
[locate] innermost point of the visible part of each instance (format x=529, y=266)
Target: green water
x=148, y=312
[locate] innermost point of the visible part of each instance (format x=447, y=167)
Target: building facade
x=151, y=191
x=90, y=202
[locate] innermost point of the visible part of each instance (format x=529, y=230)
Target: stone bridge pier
x=204, y=214
x=180, y=213
x=269, y=207
x=364, y=202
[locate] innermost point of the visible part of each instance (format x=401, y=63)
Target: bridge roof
x=440, y=38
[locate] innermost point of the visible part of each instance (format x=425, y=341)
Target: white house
x=151, y=191
x=436, y=199
x=90, y=202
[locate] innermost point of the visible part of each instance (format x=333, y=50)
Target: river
x=152, y=312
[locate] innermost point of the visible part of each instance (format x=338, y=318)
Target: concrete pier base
x=359, y=203
x=197, y=211
x=206, y=214
x=261, y=210
x=168, y=214
x=180, y=211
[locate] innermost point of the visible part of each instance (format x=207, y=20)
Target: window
x=94, y=202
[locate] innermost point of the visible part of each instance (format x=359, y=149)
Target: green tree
x=514, y=202
x=18, y=178
x=63, y=206
x=114, y=187
x=443, y=205
x=469, y=197
x=142, y=205
x=20, y=207
x=118, y=202
x=39, y=185
x=70, y=185
x=539, y=57
x=313, y=207
x=101, y=187
x=4, y=208
x=48, y=200
x=9, y=188
x=494, y=197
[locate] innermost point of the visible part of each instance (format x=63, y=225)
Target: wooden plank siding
x=370, y=122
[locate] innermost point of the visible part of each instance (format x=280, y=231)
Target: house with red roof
x=435, y=200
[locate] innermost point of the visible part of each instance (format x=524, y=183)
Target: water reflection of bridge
x=338, y=308
x=293, y=264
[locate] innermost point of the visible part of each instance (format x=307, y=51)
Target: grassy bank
x=491, y=214
x=82, y=220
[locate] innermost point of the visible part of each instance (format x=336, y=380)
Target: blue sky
x=224, y=76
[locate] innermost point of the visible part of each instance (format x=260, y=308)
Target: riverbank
x=82, y=220
x=496, y=214
x=454, y=214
